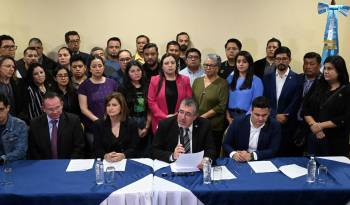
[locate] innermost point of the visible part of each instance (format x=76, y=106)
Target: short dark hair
x=282, y=50
x=35, y=40
x=180, y=34
x=50, y=95
x=124, y=111
x=4, y=38
x=96, y=48
x=76, y=58
x=70, y=33
x=4, y=100
x=29, y=49
x=313, y=55
x=151, y=45
x=261, y=102
x=142, y=36
x=171, y=43
x=114, y=39
x=235, y=41
x=194, y=50
x=274, y=40
x=66, y=48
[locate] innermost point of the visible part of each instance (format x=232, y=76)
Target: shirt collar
x=252, y=126
x=285, y=74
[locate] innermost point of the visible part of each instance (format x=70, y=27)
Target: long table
x=47, y=182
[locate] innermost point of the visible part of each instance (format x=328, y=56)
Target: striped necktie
x=187, y=144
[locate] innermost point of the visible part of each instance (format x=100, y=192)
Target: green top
x=212, y=97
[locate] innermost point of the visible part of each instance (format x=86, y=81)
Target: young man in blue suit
x=256, y=136
x=284, y=88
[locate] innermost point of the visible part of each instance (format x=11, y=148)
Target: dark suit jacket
x=290, y=98
x=167, y=136
x=259, y=67
x=105, y=141
x=70, y=141
x=237, y=137
x=49, y=64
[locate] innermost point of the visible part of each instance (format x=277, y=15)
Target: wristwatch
x=252, y=156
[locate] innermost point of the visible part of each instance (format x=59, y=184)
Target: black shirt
x=150, y=72
x=171, y=95
x=225, y=70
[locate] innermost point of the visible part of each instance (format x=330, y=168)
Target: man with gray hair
x=48, y=64
x=183, y=133
x=193, y=61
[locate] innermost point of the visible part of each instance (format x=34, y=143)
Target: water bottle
x=206, y=170
x=311, y=170
x=100, y=177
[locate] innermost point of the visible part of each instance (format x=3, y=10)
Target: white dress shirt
x=253, y=140
x=190, y=129
x=280, y=82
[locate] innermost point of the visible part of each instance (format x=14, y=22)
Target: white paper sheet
x=187, y=162
x=118, y=166
x=76, y=165
x=341, y=159
x=293, y=171
x=225, y=173
x=263, y=166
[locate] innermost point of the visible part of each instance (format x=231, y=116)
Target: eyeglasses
x=209, y=66
x=187, y=114
x=74, y=41
x=8, y=47
x=193, y=57
x=124, y=59
x=281, y=59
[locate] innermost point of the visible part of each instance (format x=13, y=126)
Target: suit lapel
x=287, y=84
x=262, y=135
x=246, y=134
x=195, y=137
x=273, y=89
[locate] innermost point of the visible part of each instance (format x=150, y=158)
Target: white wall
x=210, y=23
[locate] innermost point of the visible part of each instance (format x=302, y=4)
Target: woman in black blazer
x=115, y=137
x=327, y=110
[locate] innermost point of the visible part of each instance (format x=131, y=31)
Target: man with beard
x=283, y=88
x=113, y=47
x=141, y=41
x=184, y=40
x=232, y=48
x=151, y=66
x=72, y=39
x=30, y=55
x=173, y=48
x=266, y=65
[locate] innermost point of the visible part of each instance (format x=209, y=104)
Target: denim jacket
x=14, y=139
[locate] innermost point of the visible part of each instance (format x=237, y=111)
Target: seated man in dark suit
x=256, y=136
x=55, y=134
x=183, y=133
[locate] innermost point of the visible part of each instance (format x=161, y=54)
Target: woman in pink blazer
x=167, y=90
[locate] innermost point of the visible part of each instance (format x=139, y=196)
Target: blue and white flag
x=331, y=45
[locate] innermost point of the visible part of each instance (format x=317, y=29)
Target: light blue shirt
x=51, y=125
x=242, y=99
x=192, y=75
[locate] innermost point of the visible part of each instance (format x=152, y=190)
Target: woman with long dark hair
x=63, y=86
x=167, y=90
x=244, y=87
x=134, y=90
x=37, y=87
x=327, y=111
